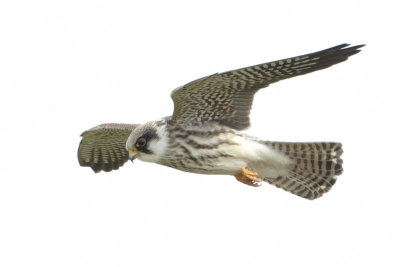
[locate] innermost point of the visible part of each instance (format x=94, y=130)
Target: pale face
x=147, y=142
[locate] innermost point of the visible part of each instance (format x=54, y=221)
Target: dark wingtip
x=358, y=46
x=332, y=56
x=352, y=50
x=344, y=49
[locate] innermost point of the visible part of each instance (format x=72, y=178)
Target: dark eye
x=141, y=142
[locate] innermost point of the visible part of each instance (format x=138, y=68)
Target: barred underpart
x=314, y=168
x=195, y=149
x=202, y=135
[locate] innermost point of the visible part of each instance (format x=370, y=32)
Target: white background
x=66, y=66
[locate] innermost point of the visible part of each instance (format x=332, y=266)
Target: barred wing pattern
x=227, y=97
x=314, y=168
x=103, y=148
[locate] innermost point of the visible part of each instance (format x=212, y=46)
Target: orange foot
x=247, y=176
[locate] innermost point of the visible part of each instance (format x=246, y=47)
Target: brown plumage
x=203, y=133
x=313, y=169
x=103, y=148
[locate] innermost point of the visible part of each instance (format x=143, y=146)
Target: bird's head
x=147, y=142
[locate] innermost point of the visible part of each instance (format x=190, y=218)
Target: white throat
x=158, y=146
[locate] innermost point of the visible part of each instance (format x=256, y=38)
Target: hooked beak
x=132, y=154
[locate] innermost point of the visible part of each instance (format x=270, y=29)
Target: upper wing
x=103, y=148
x=227, y=97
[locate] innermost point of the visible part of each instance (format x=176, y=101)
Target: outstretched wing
x=227, y=97
x=103, y=148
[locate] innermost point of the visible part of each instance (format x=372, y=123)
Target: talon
x=247, y=176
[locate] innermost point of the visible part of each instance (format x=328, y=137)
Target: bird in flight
x=203, y=135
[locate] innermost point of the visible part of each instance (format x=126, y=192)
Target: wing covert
x=227, y=97
x=103, y=147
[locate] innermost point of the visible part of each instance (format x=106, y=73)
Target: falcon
x=204, y=136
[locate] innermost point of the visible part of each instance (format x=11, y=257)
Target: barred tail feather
x=313, y=170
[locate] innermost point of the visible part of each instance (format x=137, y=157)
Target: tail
x=313, y=170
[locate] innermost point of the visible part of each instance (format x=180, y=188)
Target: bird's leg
x=247, y=176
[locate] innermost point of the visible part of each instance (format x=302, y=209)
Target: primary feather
x=203, y=133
